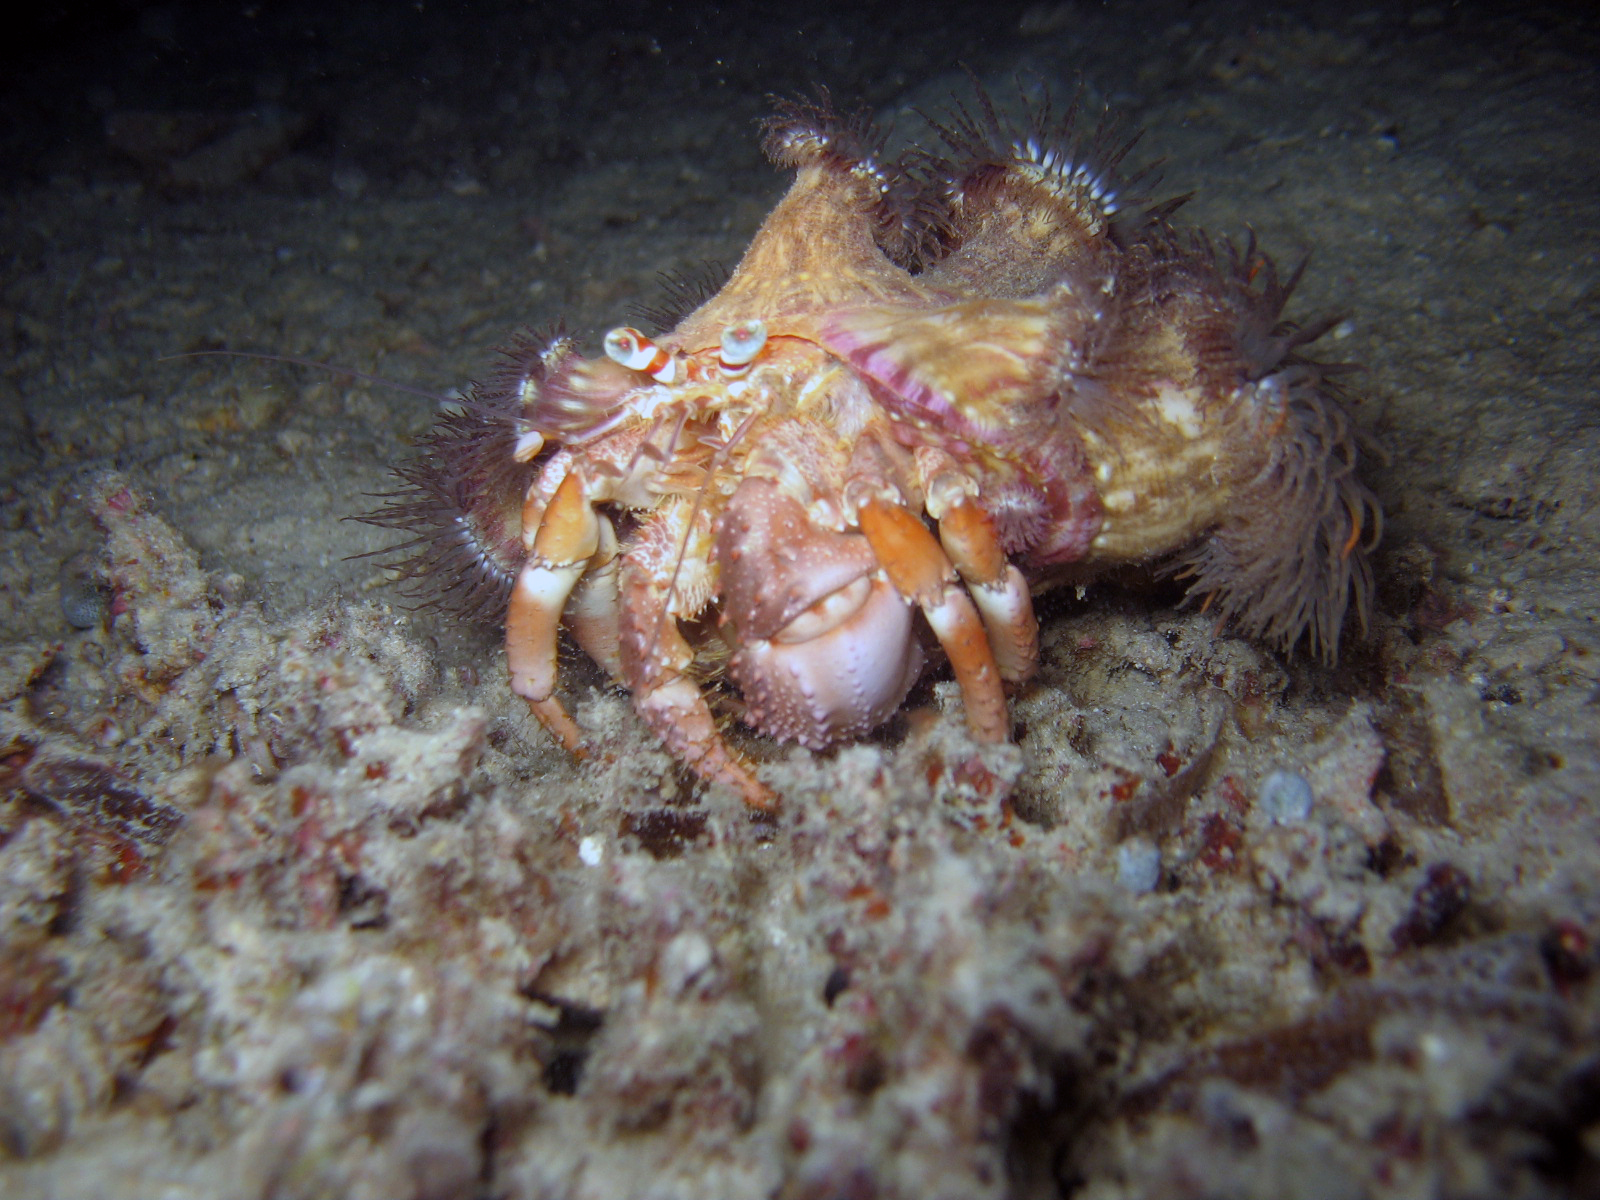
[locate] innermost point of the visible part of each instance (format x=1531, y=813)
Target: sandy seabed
x=296, y=900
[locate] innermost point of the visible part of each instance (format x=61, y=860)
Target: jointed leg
x=567, y=538
x=920, y=572
x=655, y=657
x=594, y=609
x=998, y=589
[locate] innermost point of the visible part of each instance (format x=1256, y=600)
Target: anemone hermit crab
x=926, y=389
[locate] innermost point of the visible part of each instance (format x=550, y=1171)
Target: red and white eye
x=638, y=353
x=740, y=345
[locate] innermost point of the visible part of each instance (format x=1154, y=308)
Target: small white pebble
x=1138, y=865
x=1435, y=1048
x=591, y=851
x=1285, y=798
x=684, y=959
x=547, y=1016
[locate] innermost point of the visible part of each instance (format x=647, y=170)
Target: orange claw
x=919, y=570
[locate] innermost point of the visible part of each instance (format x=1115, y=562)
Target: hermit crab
x=929, y=389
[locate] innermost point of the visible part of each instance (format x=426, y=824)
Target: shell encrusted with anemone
x=930, y=388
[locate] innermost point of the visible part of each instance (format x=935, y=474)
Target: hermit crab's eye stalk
x=638, y=353
x=740, y=345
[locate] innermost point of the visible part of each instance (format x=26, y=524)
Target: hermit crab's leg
x=568, y=537
x=919, y=570
x=655, y=655
x=969, y=537
x=593, y=611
